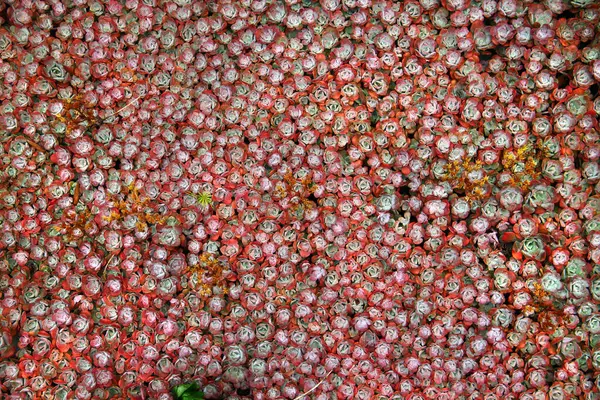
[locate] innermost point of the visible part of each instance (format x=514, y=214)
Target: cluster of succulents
x=287, y=199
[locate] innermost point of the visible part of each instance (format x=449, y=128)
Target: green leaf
x=188, y=391
x=375, y=118
x=180, y=389
x=193, y=396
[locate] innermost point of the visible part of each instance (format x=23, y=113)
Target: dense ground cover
x=358, y=199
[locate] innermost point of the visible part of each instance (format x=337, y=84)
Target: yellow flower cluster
x=75, y=113
x=523, y=163
x=209, y=274
x=74, y=225
x=137, y=206
x=300, y=190
x=458, y=173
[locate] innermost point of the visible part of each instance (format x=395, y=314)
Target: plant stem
x=315, y=387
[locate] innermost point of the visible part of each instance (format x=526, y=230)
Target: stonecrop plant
x=299, y=199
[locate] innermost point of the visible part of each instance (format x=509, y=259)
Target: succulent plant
x=346, y=198
x=187, y=391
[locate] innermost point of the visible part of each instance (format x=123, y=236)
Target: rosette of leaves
x=188, y=391
x=532, y=247
x=204, y=199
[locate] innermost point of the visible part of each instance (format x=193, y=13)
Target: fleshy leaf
x=188, y=391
